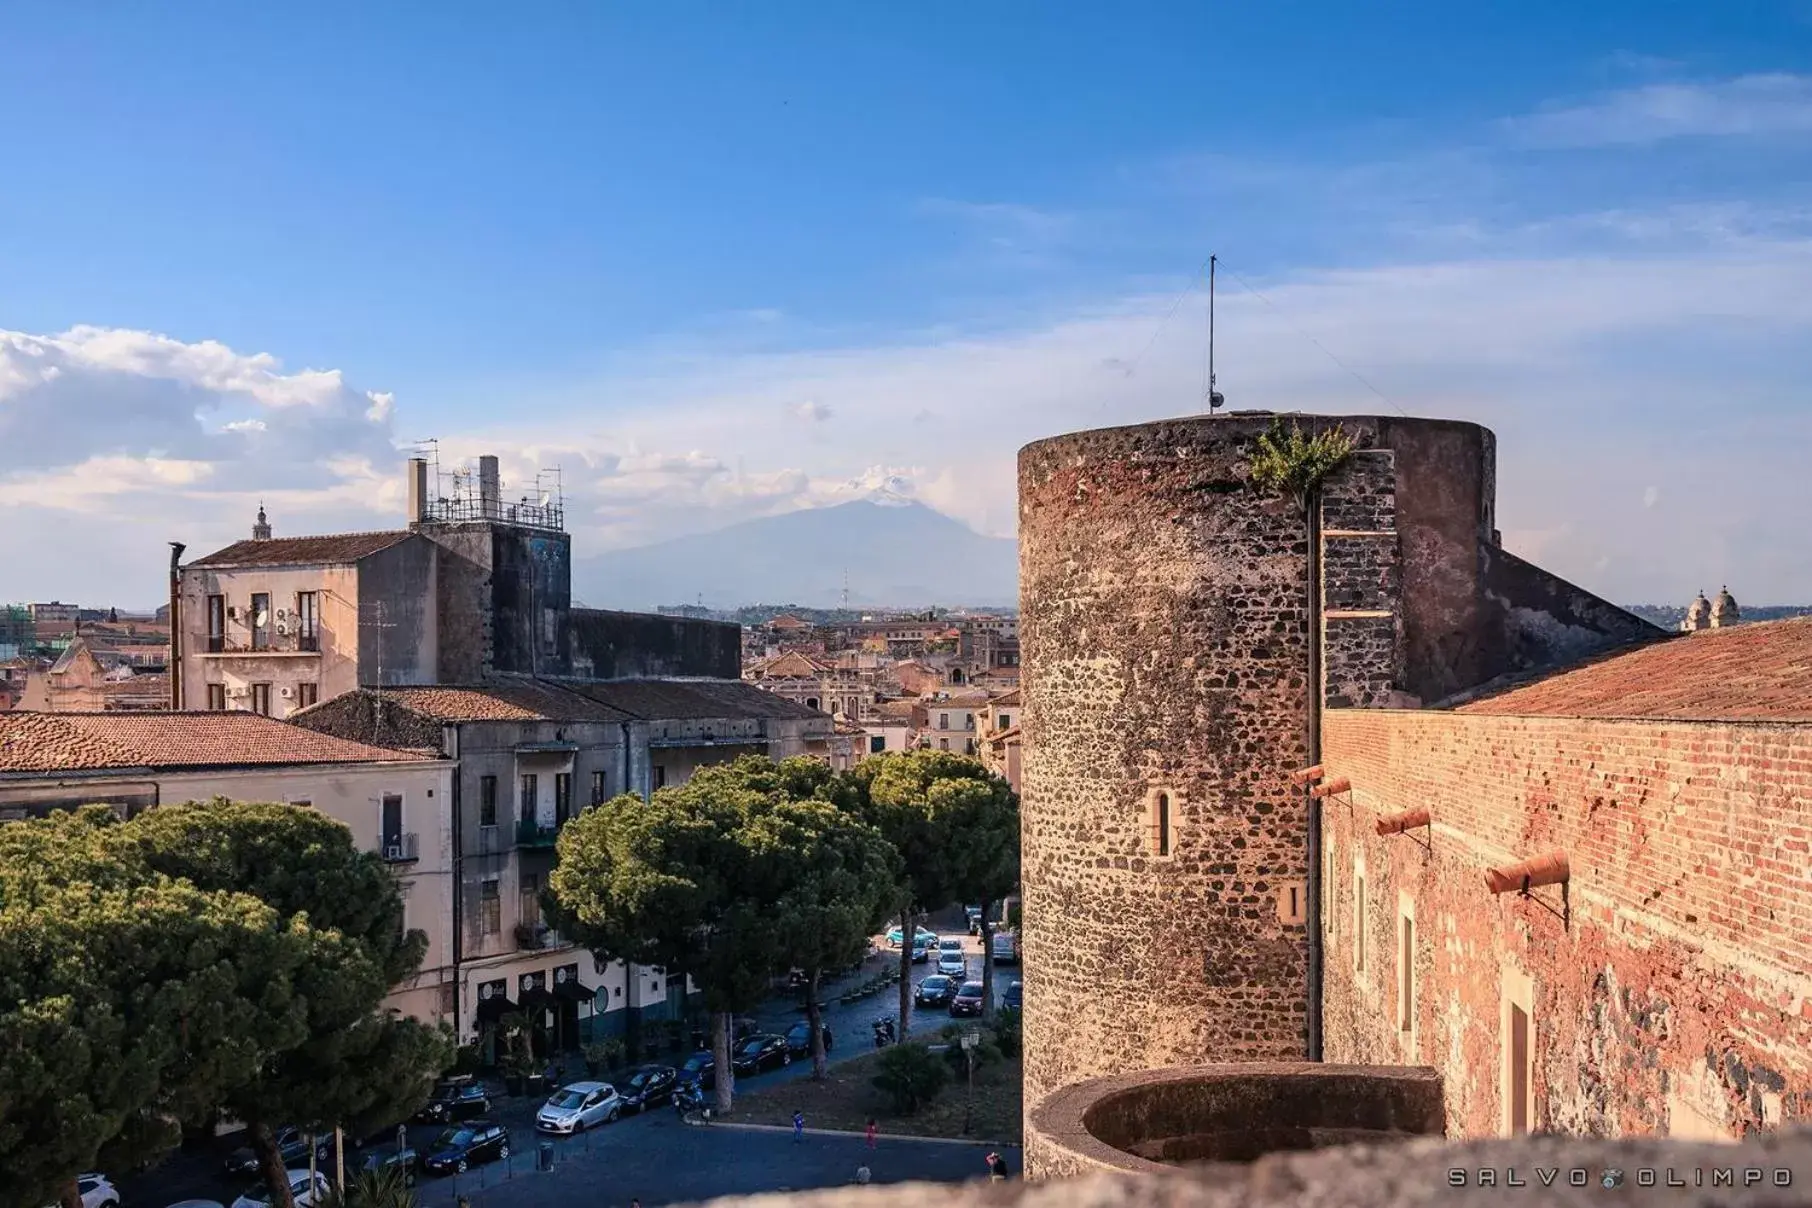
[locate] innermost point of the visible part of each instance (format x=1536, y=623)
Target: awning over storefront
x=490, y=1010
x=574, y=991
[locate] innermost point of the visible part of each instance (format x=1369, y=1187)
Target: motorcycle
x=688, y=1097
x=884, y=1032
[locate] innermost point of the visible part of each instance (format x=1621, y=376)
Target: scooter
x=884, y=1032
x=689, y=1097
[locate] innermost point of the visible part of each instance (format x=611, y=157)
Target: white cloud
x=1776, y=103
x=812, y=412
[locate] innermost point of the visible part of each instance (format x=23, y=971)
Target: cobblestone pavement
x=654, y=1156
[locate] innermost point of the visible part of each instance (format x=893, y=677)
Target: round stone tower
x=1166, y=622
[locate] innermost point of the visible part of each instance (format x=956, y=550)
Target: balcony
x=402, y=848
x=533, y=937
x=531, y=832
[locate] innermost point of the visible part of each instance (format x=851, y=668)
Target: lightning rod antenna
x=1215, y=398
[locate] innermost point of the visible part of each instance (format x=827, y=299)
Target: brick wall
x=1676, y=997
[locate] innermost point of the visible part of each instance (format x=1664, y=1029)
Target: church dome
x=1698, y=613
x=1724, y=609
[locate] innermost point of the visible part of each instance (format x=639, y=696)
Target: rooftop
x=303, y=551
x=62, y=742
x=528, y=700
x=1756, y=672
x=576, y=700
x=792, y=665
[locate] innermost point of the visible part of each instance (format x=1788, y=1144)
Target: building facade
x=396, y=803
x=1176, y=665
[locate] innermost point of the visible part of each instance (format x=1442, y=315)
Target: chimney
x=176, y=549
x=489, y=489
x=418, y=490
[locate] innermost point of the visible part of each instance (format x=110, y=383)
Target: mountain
x=897, y=554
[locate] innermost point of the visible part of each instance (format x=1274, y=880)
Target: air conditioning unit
x=286, y=692
x=232, y=612
x=395, y=850
x=238, y=690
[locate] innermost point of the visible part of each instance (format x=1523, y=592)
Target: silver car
x=578, y=1107
x=952, y=964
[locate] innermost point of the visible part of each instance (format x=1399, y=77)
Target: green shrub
x=911, y=1076
x=467, y=1059
x=1009, y=1032
x=1293, y=463
x=384, y=1188
x=603, y=1055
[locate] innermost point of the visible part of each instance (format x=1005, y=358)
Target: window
x=307, y=694
x=811, y=702
x=217, y=697
x=531, y=899
x=261, y=620
x=943, y=744
x=877, y=743
x=1358, y=918
x=308, y=621
x=525, y=801
x=1162, y=825
x=392, y=822
x=1005, y=722
x=487, y=801
x=563, y=797
x=1518, y=1057
x=943, y=721
x=261, y=699
x=1406, y=974
x=597, y=788
x=1328, y=910
x=490, y=909
x=216, y=625
x=549, y=631
x=1517, y=1029
x=660, y=775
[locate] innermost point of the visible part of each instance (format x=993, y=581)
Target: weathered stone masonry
x=1678, y=996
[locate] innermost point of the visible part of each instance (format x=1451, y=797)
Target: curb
x=845, y=1132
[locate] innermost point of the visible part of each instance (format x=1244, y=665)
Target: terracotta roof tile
x=526, y=700
x=679, y=700
x=897, y=709
x=55, y=742
x=1756, y=672
x=792, y=665
x=303, y=551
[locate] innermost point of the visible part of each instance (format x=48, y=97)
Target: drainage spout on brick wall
x=1550, y=869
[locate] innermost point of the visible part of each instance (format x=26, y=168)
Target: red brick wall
x=1679, y=996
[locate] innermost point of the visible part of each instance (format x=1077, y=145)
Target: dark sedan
x=455, y=1099
x=466, y=1145
x=935, y=991
x=403, y=1161
x=1015, y=997
x=647, y=1085
x=759, y=1053
x=799, y=1038
x=292, y=1144
x=700, y=1069
x=968, y=1000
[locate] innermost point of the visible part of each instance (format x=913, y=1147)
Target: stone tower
x=1724, y=609
x=261, y=528
x=1698, y=614
x=1174, y=663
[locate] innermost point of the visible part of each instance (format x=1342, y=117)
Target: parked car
x=799, y=1038
x=193, y=1204
x=391, y=1158
x=920, y=952
x=578, y=1107
x=646, y=1086
x=1014, y=997
x=292, y=1145
x=759, y=1053
x=968, y=1000
x=918, y=934
x=973, y=914
x=950, y=943
x=305, y=1191
x=1006, y=948
x=952, y=964
x=463, y=1145
x=935, y=991
x=97, y=1191
x=461, y=1098
x=699, y=1070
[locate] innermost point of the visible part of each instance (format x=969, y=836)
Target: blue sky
x=723, y=260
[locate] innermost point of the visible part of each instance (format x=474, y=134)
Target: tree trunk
x=270, y=1163
x=720, y=1053
x=987, y=977
x=907, y=927
x=70, y=1195
x=815, y=1020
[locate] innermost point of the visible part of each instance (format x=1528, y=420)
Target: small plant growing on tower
x=1292, y=462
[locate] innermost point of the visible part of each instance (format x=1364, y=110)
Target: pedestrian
x=869, y=1132
x=798, y=1127
x=827, y=1038
x=997, y=1169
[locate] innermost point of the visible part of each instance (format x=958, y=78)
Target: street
x=655, y=1155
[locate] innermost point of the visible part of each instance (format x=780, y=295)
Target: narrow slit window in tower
x=1163, y=824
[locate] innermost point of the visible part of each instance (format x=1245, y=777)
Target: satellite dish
x=560, y=975
x=485, y=991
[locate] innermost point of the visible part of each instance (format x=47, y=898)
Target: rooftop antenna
x=846, y=589
x=1215, y=398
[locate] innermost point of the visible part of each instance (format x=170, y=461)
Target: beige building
x=950, y=721
x=397, y=803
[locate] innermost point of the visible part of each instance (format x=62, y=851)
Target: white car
x=578, y=1107
x=304, y=1195
x=952, y=964
x=97, y=1192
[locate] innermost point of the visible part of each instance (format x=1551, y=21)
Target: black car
x=1015, y=997
x=759, y=1053
x=647, y=1085
x=463, y=1145
x=455, y=1099
x=700, y=1069
x=292, y=1143
x=799, y=1038
x=404, y=1160
x=935, y=991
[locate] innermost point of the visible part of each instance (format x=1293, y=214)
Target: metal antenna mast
x=1215, y=398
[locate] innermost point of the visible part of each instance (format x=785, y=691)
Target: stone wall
x=636, y=645
x=1668, y=985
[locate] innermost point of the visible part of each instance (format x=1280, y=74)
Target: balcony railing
x=404, y=848
x=531, y=832
x=532, y=937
